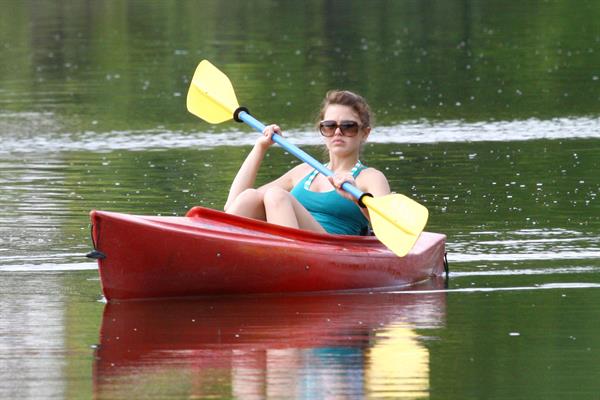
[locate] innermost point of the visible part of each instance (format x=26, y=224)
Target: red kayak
x=210, y=252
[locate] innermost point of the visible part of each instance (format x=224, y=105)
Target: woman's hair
x=346, y=98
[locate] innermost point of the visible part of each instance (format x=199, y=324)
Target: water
x=486, y=112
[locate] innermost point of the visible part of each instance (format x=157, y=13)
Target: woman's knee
x=247, y=200
x=275, y=196
x=251, y=195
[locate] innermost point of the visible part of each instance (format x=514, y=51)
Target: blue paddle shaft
x=259, y=126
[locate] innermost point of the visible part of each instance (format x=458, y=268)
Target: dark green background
x=92, y=116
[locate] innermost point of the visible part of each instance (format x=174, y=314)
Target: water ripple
x=25, y=137
x=529, y=271
x=582, y=254
x=546, y=286
x=49, y=267
x=525, y=244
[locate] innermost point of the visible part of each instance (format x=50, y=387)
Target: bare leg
x=282, y=208
x=249, y=204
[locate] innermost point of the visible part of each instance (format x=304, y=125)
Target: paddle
x=396, y=219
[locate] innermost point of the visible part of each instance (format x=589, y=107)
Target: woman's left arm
x=375, y=183
x=369, y=181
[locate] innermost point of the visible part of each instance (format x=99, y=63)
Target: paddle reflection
x=302, y=346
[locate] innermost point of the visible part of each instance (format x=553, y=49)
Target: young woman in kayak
x=302, y=197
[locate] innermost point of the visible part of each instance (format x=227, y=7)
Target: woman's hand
x=337, y=180
x=266, y=140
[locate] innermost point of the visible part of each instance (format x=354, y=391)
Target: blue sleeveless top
x=334, y=213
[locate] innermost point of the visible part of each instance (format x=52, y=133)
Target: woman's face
x=342, y=144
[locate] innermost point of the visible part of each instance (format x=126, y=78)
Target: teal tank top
x=336, y=214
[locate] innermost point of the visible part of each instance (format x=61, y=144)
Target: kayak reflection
x=292, y=346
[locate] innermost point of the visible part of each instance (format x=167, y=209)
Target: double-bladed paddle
x=396, y=219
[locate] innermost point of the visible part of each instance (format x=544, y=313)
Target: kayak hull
x=209, y=252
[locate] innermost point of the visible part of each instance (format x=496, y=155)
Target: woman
x=302, y=197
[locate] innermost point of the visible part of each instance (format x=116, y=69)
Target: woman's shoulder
x=373, y=181
x=301, y=169
x=298, y=172
x=372, y=173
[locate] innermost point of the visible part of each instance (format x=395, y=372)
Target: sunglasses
x=348, y=128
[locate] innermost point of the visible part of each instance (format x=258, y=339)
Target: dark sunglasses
x=348, y=128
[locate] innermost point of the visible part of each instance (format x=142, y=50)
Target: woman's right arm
x=246, y=176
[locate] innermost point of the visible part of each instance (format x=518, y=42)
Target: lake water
x=487, y=112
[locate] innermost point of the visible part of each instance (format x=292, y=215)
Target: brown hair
x=346, y=98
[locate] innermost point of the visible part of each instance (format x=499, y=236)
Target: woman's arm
x=375, y=183
x=246, y=176
x=369, y=181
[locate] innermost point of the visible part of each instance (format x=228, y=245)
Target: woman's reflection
x=302, y=346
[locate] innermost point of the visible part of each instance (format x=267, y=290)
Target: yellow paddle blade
x=397, y=221
x=211, y=95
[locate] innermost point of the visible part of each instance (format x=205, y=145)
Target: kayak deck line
x=209, y=252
